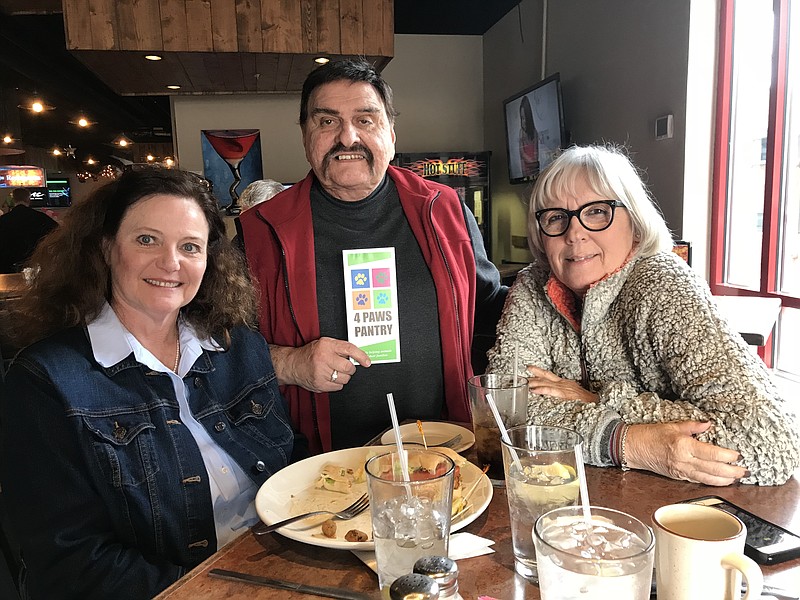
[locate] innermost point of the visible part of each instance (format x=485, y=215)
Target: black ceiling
x=34, y=59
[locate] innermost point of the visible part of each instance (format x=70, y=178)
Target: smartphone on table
x=766, y=543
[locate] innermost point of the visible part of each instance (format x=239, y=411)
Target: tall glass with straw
x=411, y=498
x=541, y=468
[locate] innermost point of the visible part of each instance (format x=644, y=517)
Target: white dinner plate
x=291, y=491
x=436, y=432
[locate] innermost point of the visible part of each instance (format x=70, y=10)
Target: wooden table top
x=634, y=492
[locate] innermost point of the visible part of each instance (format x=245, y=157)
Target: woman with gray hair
x=624, y=344
x=259, y=191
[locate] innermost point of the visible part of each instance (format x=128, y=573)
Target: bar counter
x=635, y=492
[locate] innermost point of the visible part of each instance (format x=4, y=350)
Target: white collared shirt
x=232, y=492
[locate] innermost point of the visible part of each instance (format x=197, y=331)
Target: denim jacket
x=106, y=488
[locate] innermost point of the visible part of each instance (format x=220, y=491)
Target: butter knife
x=327, y=592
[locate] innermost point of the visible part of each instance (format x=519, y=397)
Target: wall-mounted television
x=58, y=191
x=535, y=132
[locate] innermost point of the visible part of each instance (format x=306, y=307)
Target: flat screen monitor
x=534, y=120
x=58, y=192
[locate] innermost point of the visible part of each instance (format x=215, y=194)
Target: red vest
x=278, y=236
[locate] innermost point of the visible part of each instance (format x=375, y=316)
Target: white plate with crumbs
x=291, y=491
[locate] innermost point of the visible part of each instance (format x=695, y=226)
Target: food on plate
x=337, y=478
x=354, y=535
x=423, y=466
x=329, y=528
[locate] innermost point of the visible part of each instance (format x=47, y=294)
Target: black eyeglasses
x=594, y=216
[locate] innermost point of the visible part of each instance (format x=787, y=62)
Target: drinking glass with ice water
x=541, y=474
x=410, y=517
x=610, y=556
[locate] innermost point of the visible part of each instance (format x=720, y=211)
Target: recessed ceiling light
x=37, y=106
x=322, y=60
x=82, y=121
x=152, y=57
x=173, y=87
x=7, y=139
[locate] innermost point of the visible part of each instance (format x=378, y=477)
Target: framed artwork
x=231, y=161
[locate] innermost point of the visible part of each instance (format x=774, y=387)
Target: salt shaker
x=444, y=571
x=414, y=586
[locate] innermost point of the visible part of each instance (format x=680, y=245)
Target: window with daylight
x=755, y=238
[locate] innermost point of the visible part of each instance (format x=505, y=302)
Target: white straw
x=587, y=513
x=502, y=428
x=398, y=438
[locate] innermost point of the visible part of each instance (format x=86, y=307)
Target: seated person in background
x=145, y=414
x=257, y=192
x=353, y=199
x=624, y=344
x=20, y=230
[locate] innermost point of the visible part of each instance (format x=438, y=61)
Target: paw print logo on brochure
x=381, y=278
x=383, y=299
x=360, y=278
x=361, y=301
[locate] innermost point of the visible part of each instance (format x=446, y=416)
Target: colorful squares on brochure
x=370, y=279
x=381, y=278
x=361, y=300
x=360, y=278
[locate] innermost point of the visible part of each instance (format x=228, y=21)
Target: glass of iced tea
x=511, y=399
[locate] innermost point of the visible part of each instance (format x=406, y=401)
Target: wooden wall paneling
x=102, y=18
x=139, y=25
x=230, y=66
x=372, y=12
x=328, y=27
x=281, y=28
x=387, y=47
x=174, y=29
x=249, y=71
x=282, y=71
x=248, y=25
x=352, y=27
x=302, y=65
x=198, y=18
x=195, y=70
x=77, y=24
x=308, y=25
x=267, y=68
x=215, y=70
x=168, y=71
x=223, y=26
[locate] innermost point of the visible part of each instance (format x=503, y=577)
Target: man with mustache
x=353, y=199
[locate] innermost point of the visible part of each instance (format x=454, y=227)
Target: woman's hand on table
x=323, y=365
x=546, y=383
x=670, y=449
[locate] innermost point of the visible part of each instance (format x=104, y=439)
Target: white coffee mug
x=699, y=554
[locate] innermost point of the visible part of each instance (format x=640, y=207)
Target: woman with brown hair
x=144, y=414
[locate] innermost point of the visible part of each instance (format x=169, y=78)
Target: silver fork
x=355, y=509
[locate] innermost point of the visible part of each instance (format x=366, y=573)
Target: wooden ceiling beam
x=113, y=37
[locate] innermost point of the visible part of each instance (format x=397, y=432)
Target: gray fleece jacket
x=651, y=343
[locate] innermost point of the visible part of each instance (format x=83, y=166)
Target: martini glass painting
x=232, y=145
